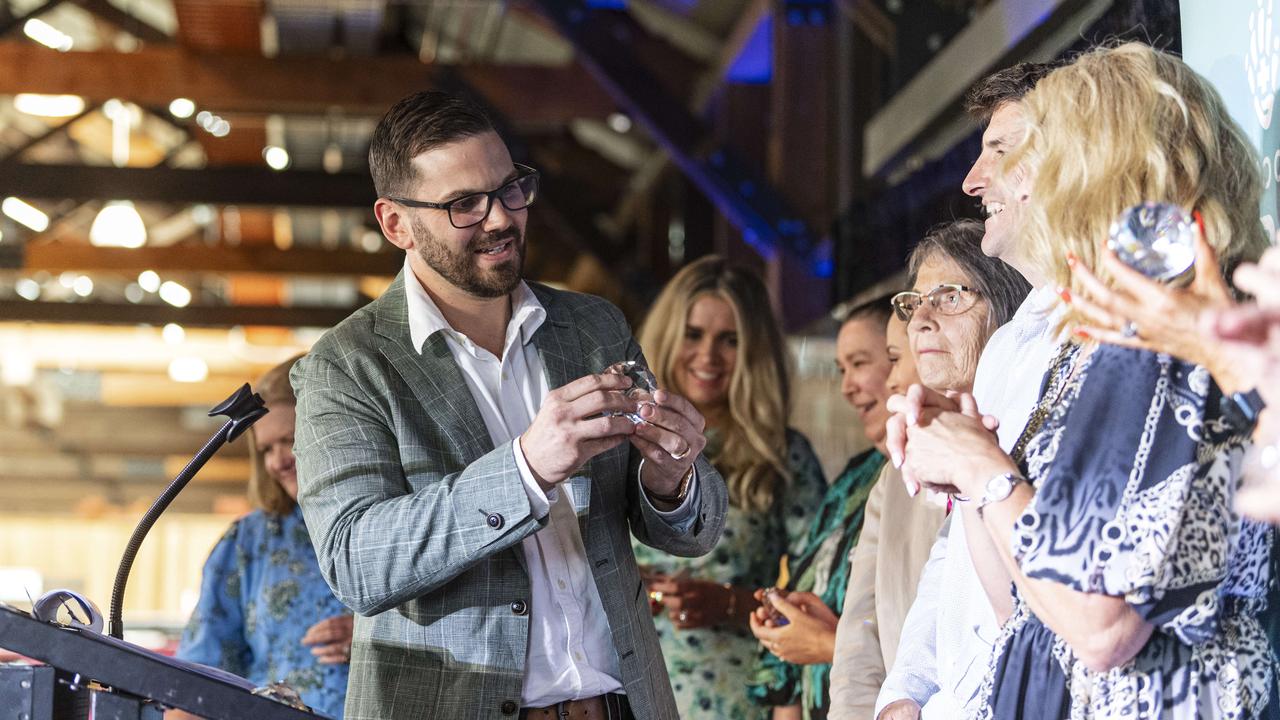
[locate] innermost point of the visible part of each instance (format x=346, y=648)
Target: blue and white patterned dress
x=260, y=592
x=1135, y=471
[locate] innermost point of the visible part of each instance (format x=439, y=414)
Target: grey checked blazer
x=402, y=488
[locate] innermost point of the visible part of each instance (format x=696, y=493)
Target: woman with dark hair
x=959, y=297
x=265, y=613
x=711, y=337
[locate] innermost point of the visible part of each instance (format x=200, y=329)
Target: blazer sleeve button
x=495, y=521
x=519, y=607
x=509, y=707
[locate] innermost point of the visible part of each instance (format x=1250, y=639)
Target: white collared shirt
x=571, y=654
x=945, y=647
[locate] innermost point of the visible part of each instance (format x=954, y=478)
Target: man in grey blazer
x=466, y=482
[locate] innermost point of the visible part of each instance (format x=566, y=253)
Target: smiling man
x=468, y=483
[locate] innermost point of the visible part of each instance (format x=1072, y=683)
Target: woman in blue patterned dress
x=265, y=613
x=711, y=336
x=1137, y=588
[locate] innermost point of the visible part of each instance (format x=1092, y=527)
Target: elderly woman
x=711, y=336
x=959, y=297
x=1137, y=591
x=265, y=613
x=794, y=673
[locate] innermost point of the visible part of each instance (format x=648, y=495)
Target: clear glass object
x=643, y=386
x=1158, y=240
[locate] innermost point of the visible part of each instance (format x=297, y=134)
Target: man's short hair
x=416, y=124
x=1008, y=85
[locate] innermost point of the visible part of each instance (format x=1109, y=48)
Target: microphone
x=242, y=409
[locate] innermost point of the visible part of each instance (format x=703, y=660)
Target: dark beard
x=460, y=269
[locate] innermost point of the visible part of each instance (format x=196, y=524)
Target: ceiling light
x=51, y=106
x=148, y=280
x=47, y=35
x=277, y=157
x=619, y=123
x=182, y=108
x=118, y=224
x=25, y=214
x=83, y=286
x=188, y=370
x=175, y=294
x=27, y=289
x=173, y=334
x=332, y=160
x=133, y=293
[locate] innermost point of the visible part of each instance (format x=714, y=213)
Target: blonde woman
x=711, y=337
x=1137, y=589
x=265, y=613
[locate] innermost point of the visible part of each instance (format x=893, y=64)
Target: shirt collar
x=425, y=318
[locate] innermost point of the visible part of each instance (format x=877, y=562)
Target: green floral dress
x=709, y=667
x=822, y=568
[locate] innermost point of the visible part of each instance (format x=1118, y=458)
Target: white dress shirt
x=571, y=654
x=945, y=648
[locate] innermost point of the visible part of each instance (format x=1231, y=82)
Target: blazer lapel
x=433, y=376
x=560, y=351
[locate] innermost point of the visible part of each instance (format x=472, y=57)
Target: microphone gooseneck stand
x=242, y=410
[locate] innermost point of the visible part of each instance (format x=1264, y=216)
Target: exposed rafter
x=220, y=186
x=601, y=38
x=60, y=257
x=155, y=75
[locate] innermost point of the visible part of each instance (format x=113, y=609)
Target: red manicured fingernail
x=1082, y=333
x=1065, y=294
x=1199, y=221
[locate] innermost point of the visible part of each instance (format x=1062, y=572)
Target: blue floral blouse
x=1135, y=470
x=260, y=593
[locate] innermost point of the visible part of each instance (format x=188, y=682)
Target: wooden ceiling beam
x=61, y=257
x=155, y=75
x=218, y=186
x=192, y=315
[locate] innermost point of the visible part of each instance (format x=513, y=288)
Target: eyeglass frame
x=525, y=172
x=949, y=287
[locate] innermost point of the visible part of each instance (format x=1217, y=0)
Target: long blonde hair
x=1119, y=126
x=753, y=456
x=264, y=491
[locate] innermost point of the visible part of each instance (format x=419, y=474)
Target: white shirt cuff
x=539, y=501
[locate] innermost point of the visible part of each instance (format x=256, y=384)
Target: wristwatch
x=998, y=488
x=1242, y=409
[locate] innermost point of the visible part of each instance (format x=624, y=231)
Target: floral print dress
x=1135, y=469
x=260, y=592
x=710, y=667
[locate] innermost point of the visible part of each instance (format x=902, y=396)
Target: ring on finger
x=656, y=596
x=681, y=455
x=1129, y=329
x=683, y=616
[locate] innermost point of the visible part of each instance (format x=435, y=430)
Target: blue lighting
x=607, y=4
x=824, y=267
x=754, y=64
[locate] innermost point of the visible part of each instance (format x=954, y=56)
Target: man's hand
x=570, y=429
x=330, y=640
x=670, y=439
x=900, y=710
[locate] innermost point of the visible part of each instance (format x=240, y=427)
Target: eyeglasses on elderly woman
x=947, y=299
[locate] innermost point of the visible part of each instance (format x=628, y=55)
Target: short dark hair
x=1008, y=85
x=961, y=242
x=414, y=125
x=878, y=309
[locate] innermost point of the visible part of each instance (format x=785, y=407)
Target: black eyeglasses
x=947, y=299
x=471, y=210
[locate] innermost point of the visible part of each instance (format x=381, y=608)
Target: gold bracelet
x=682, y=490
